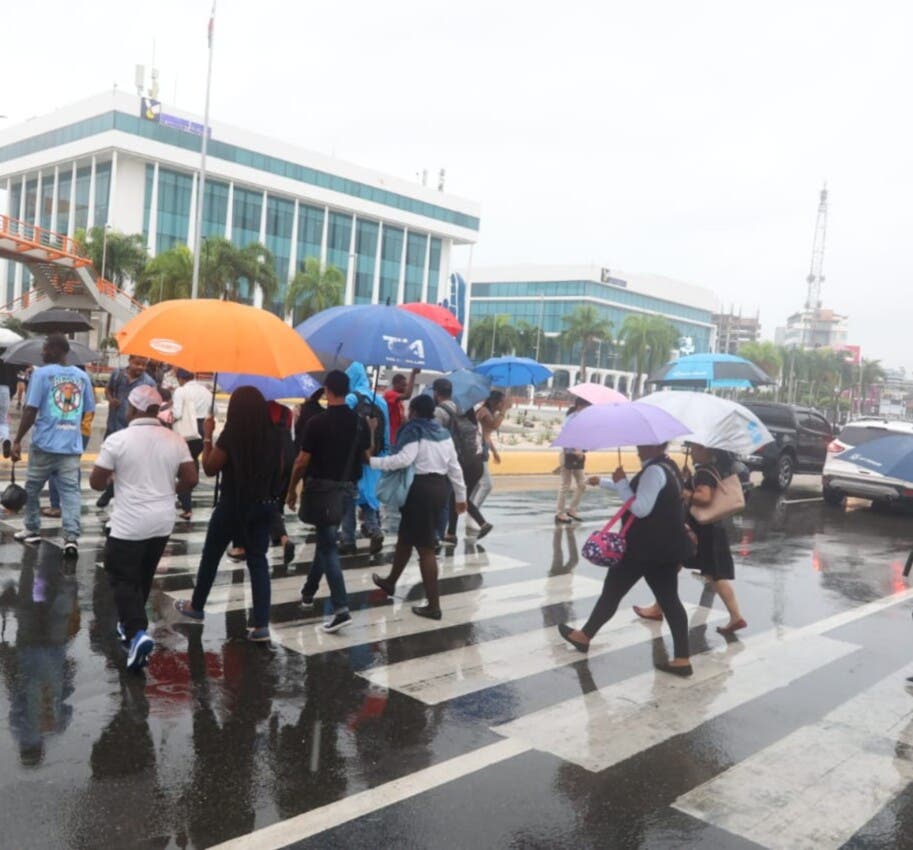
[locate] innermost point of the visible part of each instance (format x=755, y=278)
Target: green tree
x=492, y=336
x=529, y=338
x=765, y=355
x=224, y=269
x=647, y=343
x=123, y=256
x=314, y=288
x=167, y=276
x=870, y=372
x=587, y=328
x=15, y=325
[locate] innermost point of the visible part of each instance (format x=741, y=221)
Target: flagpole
x=201, y=187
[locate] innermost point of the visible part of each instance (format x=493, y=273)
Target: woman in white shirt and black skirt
x=423, y=443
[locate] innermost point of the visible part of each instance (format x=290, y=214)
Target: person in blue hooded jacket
x=362, y=395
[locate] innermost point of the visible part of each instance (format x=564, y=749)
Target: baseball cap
x=144, y=397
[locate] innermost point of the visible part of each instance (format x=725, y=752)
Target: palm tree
x=585, y=327
x=259, y=268
x=765, y=355
x=492, y=336
x=123, y=256
x=648, y=342
x=313, y=289
x=224, y=268
x=167, y=276
x=664, y=339
x=528, y=336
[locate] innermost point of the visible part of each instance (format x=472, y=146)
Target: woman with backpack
x=655, y=546
x=467, y=438
x=248, y=454
x=428, y=448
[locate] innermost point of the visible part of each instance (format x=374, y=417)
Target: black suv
x=801, y=437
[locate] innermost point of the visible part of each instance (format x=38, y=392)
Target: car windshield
x=856, y=435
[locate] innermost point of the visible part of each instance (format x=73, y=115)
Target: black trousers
x=663, y=581
x=130, y=565
x=472, y=474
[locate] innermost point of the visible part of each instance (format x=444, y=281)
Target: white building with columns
x=132, y=164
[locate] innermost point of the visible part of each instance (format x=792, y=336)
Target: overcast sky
x=688, y=139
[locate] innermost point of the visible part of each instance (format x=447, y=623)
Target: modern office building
x=818, y=328
x=543, y=295
x=733, y=330
x=128, y=162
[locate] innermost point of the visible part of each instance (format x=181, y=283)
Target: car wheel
x=833, y=497
x=785, y=470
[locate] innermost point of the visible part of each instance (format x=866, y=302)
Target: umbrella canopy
x=710, y=371
x=611, y=426
x=205, y=335
x=302, y=385
x=716, y=423
x=512, y=371
x=8, y=337
x=57, y=320
x=28, y=352
x=469, y=388
x=890, y=456
x=437, y=314
x=598, y=394
x=381, y=335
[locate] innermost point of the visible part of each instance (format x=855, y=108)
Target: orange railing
x=29, y=237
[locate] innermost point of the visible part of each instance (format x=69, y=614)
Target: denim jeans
x=326, y=561
x=42, y=465
x=53, y=490
x=249, y=525
x=371, y=518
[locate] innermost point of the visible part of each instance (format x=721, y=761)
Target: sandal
x=182, y=606
x=186, y=515
x=642, y=613
x=51, y=512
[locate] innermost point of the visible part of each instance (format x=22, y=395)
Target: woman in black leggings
x=656, y=545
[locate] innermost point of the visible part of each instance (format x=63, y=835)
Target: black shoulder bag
x=13, y=497
x=322, y=499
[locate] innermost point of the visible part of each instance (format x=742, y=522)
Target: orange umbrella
x=205, y=335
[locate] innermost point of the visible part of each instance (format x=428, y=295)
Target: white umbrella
x=714, y=422
x=8, y=337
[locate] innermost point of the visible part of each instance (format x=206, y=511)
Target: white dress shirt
x=428, y=457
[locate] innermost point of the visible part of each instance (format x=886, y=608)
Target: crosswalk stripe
x=653, y=707
x=386, y=622
x=232, y=597
x=373, y=799
x=819, y=785
x=454, y=673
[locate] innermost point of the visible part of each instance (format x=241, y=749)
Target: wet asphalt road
x=481, y=730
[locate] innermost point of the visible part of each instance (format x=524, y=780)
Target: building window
x=215, y=209
x=31, y=200
x=83, y=182
x=390, y=259
x=47, y=200
x=63, y=201
x=279, y=219
x=175, y=190
x=102, y=189
x=415, y=266
x=245, y=228
x=366, y=233
x=434, y=269
x=339, y=238
x=310, y=232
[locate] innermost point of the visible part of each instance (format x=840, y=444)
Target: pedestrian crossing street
x=816, y=786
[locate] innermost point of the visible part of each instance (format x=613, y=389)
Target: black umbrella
x=29, y=353
x=57, y=320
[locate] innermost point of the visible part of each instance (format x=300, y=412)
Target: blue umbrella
x=381, y=335
x=890, y=456
x=295, y=386
x=702, y=371
x=514, y=371
x=469, y=388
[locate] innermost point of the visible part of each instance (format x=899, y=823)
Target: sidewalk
x=544, y=461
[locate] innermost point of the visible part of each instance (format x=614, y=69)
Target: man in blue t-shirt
x=57, y=398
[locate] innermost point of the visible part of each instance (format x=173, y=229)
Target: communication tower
x=816, y=270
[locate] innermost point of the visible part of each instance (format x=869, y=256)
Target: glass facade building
x=389, y=238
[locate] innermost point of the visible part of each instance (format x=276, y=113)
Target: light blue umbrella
x=704, y=371
x=512, y=371
x=302, y=385
x=469, y=388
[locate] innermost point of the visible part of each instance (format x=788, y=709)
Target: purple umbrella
x=611, y=426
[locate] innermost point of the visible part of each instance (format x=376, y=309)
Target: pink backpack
x=606, y=548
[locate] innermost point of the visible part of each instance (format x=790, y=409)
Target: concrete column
x=401, y=283
x=71, y=218
x=54, y=205
x=151, y=241
x=90, y=219
x=229, y=212
x=443, y=281
x=293, y=256
x=192, y=218
x=112, y=189
x=426, y=269
x=17, y=280
x=4, y=263
x=324, y=237
x=375, y=287
x=258, y=292
x=353, y=260
x=37, y=221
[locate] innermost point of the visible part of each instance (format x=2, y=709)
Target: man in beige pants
x=572, y=478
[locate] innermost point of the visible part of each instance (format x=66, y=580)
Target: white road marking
x=372, y=799
x=383, y=623
x=819, y=785
x=446, y=675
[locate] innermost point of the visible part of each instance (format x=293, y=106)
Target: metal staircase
x=62, y=276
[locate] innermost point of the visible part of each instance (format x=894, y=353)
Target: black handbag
x=13, y=497
x=322, y=499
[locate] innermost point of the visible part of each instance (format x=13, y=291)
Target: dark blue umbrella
x=512, y=371
x=891, y=456
x=382, y=335
x=469, y=388
x=703, y=371
x=295, y=386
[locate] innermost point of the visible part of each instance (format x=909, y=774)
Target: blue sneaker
x=140, y=648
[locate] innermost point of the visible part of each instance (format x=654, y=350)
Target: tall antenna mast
x=816, y=270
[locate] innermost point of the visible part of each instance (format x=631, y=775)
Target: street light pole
x=104, y=250
x=201, y=187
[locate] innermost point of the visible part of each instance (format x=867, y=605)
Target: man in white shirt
x=191, y=404
x=150, y=462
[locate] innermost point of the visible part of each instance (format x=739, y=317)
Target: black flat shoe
x=427, y=611
x=383, y=584
x=683, y=670
x=565, y=632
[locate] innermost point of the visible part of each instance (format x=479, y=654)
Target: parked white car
x=841, y=477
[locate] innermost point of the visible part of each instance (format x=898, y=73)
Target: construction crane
x=816, y=270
